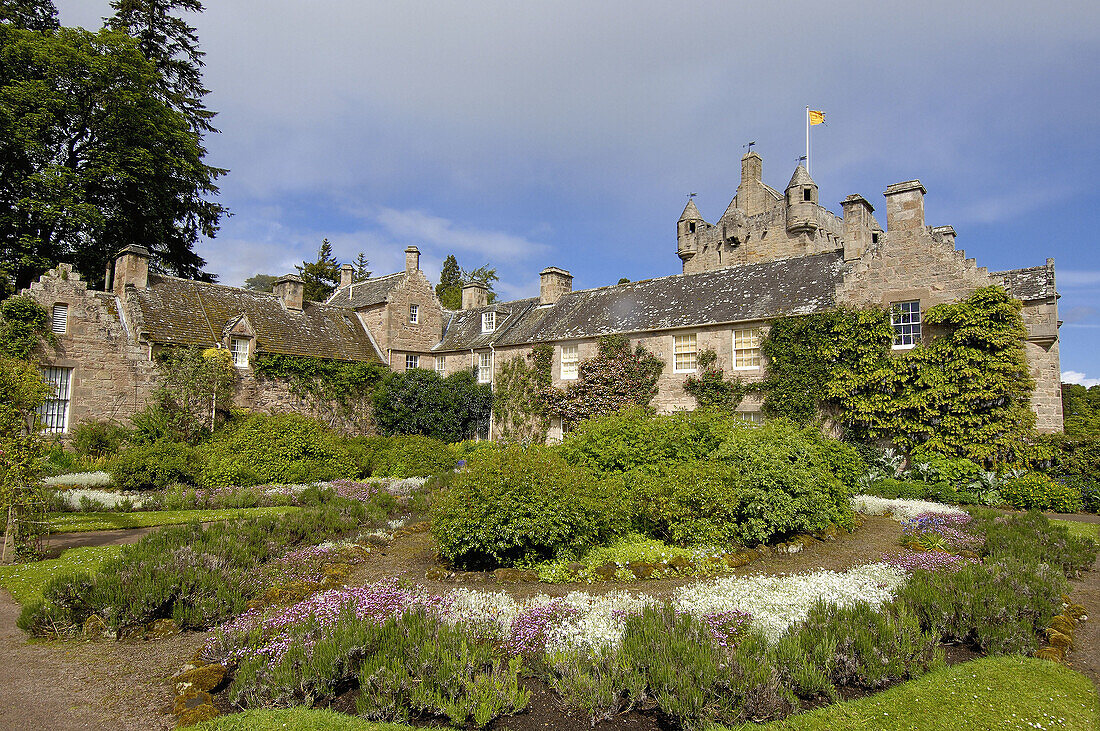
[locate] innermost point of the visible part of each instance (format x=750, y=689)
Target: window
x=806, y=195
x=412, y=361
x=60, y=322
x=691, y=227
x=568, y=362
x=683, y=353
x=54, y=411
x=414, y=314
x=488, y=322
x=746, y=349
x=440, y=364
x=874, y=238
x=749, y=417
x=238, y=347
x=905, y=317
x=485, y=367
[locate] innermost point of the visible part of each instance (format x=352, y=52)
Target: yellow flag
x=817, y=117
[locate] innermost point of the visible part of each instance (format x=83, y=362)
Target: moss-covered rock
x=205, y=678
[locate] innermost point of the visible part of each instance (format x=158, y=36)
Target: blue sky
x=524, y=135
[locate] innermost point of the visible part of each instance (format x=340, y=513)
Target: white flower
x=80, y=479
x=900, y=510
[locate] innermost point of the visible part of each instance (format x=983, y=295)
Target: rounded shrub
x=414, y=456
x=155, y=466
x=519, y=504
x=97, y=439
x=283, y=448
x=1036, y=490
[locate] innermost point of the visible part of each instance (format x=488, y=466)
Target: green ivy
x=338, y=390
x=23, y=324
x=710, y=388
x=519, y=396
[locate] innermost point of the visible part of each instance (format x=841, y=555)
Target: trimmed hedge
x=155, y=466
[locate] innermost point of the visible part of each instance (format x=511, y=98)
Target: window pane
x=485, y=368
x=54, y=411
x=412, y=361
x=414, y=313
x=239, y=349
x=905, y=318
x=440, y=364
x=684, y=352
x=746, y=348
x=568, y=362
x=488, y=321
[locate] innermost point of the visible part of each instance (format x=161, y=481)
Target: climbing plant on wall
x=615, y=378
x=710, y=387
x=519, y=396
x=338, y=391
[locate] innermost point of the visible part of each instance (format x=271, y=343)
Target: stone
x=512, y=576
x=606, y=572
x=191, y=699
x=95, y=628
x=205, y=678
x=641, y=569
x=160, y=628
x=435, y=573
x=197, y=714
x=680, y=563
x=575, y=567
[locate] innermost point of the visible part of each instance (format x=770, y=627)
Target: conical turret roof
x=801, y=177
x=691, y=213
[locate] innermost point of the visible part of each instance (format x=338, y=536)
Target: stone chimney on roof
x=347, y=274
x=553, y=283
x=905, y=206
x=412, y=260
x=291, y=290
x=474, y=294
x=858, y=224
x=131, y=269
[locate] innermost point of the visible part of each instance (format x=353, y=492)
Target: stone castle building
x=770, y=254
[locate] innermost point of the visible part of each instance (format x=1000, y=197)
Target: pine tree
x=449, y=289
x=361, y=271
x=40, y=15
x=321, y=277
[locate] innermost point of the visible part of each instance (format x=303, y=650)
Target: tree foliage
x=449, y=289
x=195, y=392
x=94, y=158
x=40, y=15
x=1081, y=411
x=710, y=387
x=616, y=378
x=322, y=276
x=519, y=396
x=338, y=392
x=23, y=324
x=260, y=282
x=419, y=401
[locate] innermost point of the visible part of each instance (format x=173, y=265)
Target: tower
x=691, y=223
x=802, y=203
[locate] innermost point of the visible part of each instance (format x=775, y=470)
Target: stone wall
x=398, y=334
x=113, y=376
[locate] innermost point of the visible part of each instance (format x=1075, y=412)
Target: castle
x=771, y=253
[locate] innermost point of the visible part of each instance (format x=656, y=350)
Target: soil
x=125, y=685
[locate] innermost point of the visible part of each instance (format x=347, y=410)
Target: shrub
x=419, y=401
x=1036, y=490
x=98, y=439
x=155, y=466
x=413, y=456
x=522, y=504
x=1077, y=463
x=280, y=448
x=760, y=484
x=1032, y=538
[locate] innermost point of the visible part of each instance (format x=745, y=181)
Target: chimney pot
x=412, y=259
x=474, y=295
x=291, y=290
x=131, y=268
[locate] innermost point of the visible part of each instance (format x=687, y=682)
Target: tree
x=449, y=289
x=361, y=271
x=486, y=276
x=1081, y=411
x=92, y=159
x=322, y=276
x=40, y=15
x=623, y=280
x=260, y=282
x=419, y=401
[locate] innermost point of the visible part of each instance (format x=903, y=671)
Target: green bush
x=419, y=401
x=521, y=504
x=1038, y=491
x=760, y=484
x=155, y=466
x=1077, y=463
x=401, y=456
x=98, y=439
x=1034, y=539
x=281, y=448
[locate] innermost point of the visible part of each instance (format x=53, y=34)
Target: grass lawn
x=25, y=580
x=298, y=719
x=1079, y=529
x=991, y=693
x=76, y=522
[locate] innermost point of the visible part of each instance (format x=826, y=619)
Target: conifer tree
x=40, y=15
x=449, y=289
x=321, y=277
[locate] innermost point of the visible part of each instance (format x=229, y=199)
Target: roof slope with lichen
x=177, y=311
x=1031, y=283
x=797, y=286
x=367, y=292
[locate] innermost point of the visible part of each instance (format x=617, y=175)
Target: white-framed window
x=54, y=411
x=905, y=318
x=684, y=352
x=488, y=322
x=569, y=360
x=485, y=367
x=746, y=348
x=414, y=314
x=238, y=348
x=59, y=323
x=412, y=361
x=440, y=364
x=749, y=417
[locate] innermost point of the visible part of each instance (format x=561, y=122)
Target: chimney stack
x=553, y=283
x=905, y=206
x=474, y=295
x=131, y=269
x=857, y=226
x=412, y=260
x=347, y=274
x=291, y=290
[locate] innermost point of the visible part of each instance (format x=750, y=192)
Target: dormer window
x=414, y=314
x=238, y=348
x=488, y=322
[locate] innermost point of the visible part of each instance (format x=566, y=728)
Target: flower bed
x=899, y=509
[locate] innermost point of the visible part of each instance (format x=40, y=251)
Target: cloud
x=420, y=227
x=1079, y=378
x=1078, y=315
x=1078, y=278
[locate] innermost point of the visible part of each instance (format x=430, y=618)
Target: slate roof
x=184, y=312
x=1031, y=283
x=368, y=292
x=753, y=292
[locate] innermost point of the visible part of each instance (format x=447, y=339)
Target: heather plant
x=521, y=504
x=1032, y=538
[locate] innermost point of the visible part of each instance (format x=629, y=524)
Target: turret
x=802, y=203
x=691, y=222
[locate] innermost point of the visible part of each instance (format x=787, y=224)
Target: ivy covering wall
x=338, y=391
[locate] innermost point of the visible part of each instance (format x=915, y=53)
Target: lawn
x=26, y=580
x=76, y=522
x=1080, y=529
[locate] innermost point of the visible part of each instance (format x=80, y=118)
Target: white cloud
x=1078, y=278
x=1079, y=378
x=420, y=227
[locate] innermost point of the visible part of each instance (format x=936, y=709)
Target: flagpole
x=807, y=139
